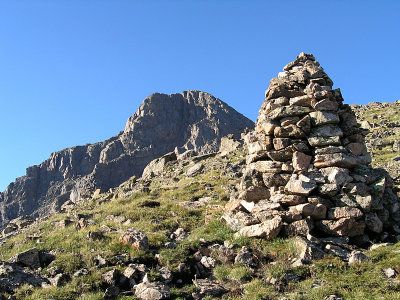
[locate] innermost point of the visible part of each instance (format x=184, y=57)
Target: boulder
x=268, y=229
x=135, y=238
x=152, y=291
x=29, y=258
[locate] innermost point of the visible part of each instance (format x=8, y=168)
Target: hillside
x=179, y=210
x=192, y=120
x=383, y=141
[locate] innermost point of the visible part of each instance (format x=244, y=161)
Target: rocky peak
x=192, y=120
x=308, y=169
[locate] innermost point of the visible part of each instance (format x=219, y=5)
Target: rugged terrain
x=292, y=210
x=187, y=250
x=163, y=123
x=383, y=141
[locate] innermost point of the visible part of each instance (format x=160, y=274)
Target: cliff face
x=191, y=120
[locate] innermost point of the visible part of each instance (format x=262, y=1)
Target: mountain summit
x=192, y=120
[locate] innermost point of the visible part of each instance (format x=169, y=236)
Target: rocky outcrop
x=163, y=123
x=309, y=168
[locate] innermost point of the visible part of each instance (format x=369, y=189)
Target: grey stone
x=152, y=291
x=300, y=185
x=268, y=229
x=357, y=257
x=194, y=170
x=319, y=118
x=344, y=212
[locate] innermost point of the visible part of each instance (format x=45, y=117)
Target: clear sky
x=72, y=72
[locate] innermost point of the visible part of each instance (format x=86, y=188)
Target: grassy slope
x=74, y=250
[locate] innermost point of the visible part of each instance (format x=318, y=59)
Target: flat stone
x=280, y=143
x=328, y=189
x=321, y=141
x=266, y=166
x=289, y=121
x=327, y=131
x=299, y=228
x=344, y=226
x=319, y=118
x=337, y=251
x=305, y=124
x=288, y=200
x=236, y=221
x=357, y=148
x=194, y=170
x=266, y=127
x=271, y=179
x=268, y=229
x=300, y=161
x=254, y=193
x=330, y=150
x=265, y=205
x=339, y=176
x=335, y=160
x=247, y=205
x=281, y=155
x=301, y=100
x=258, y=146
x=364, y=202
x=291, y=131
x=306, y=209
x=233, y=205
x=325, y=105
x=288, y=111
x=344, y=212
x=300, y=185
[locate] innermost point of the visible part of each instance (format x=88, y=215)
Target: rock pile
x=308, y=168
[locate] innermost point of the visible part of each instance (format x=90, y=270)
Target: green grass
x=73, y=250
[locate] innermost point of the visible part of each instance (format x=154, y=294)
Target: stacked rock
x=307, y=170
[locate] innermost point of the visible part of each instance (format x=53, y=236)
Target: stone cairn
x=307, y=171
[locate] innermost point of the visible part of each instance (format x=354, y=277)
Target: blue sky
x=72, y=72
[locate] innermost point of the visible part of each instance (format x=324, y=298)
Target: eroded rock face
x=308, y=165
x=190, y=120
